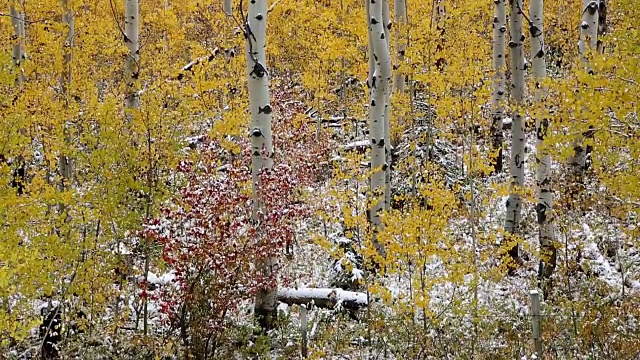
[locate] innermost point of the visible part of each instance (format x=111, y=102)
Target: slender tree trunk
x=379, y=91
x=602, y=24
x=261, y=143
x=499, y=32
x=514, y=203
x=588, y=42
x=386, y=22
x=132, y=64
x=400, y=8
x=132, y=101
x=65, y=166
x=67, y=48
x=588, y=30
x=19, y=55
x=544, y=207
x=372, y=64
x=439, y=18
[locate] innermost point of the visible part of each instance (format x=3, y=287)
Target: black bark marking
x=265, y=110
x=541, y=211
x=258, y=70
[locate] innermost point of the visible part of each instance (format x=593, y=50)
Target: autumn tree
x=544, y=206
x=516, y=163
x=499, y=59
x=261, y=143
x=378, y=123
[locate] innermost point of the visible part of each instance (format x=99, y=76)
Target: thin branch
x=29, y=21
x=273, y=6
x=115, y=18
x=630, y=81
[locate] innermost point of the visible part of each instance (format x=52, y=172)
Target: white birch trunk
x=372, y=64
x=386, y=58
x=379, y=90
x=588, y=29
x=65, y=166
x=67, y=49
x=499, y=33
x=227, y=7
x=544, y=207
x=19, y=55
x=602, y=24
x=64, y=162
x=514, y=203
x=132, y=99
x=132, y=41
x=400, y=8
x=261, y=143
x=588, y=42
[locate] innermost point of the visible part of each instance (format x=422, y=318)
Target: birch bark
x=588, y=30
x=261, y=142
x=17, y=21
x=400, y=8
x=132, y=64
x=544, y=206
x=372, y=64
x=588, y=42
x=65, y=165
x=19, y=56
x=514, y=203
x=602, y=24
x=499, y=32
x=385, y=71
x=379, y=91
x=132, y=100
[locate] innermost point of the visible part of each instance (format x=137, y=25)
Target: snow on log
x=359, y=146
x=324, y=298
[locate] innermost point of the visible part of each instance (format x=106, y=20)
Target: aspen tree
x=65, y=166
x=132, y=99
x=19, y=54
x=377, y=134
x=499, y=32
x=544, y=205
x=602, y=24
x=372, y=65
x=588, y=42
x=67, y=47
x=400, y=8
x=261, y=141
x=132, y=64
x=516, y=164
x=386, y=22
x=588, y=30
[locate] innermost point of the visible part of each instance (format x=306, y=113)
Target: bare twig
x=630, y=81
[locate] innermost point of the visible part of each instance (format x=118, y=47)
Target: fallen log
x=324, y=298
